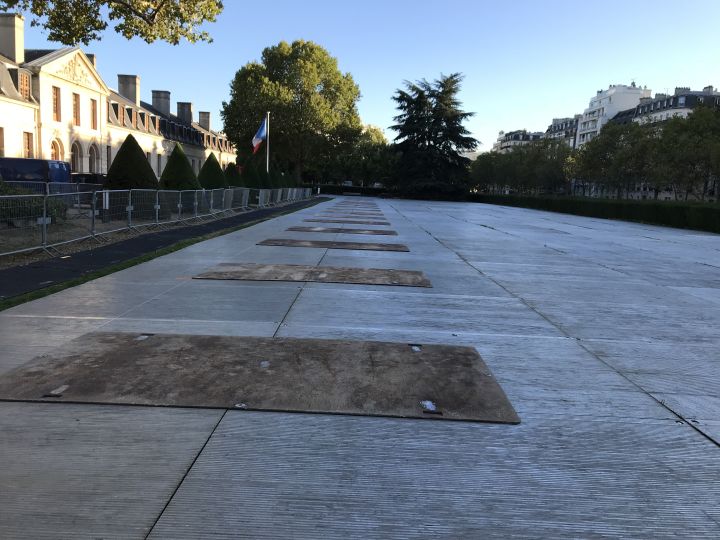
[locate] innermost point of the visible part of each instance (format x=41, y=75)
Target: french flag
x=260, y=136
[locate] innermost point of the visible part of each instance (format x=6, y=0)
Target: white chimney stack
x=12, y=37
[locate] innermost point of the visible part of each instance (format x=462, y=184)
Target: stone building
x=604, y=106
x=508, y=141
x=564, y=129
x=663, y=106
x=55, y=105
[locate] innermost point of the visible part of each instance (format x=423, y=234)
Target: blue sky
x=524, y=62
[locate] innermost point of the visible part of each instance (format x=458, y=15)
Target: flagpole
x=267, y=145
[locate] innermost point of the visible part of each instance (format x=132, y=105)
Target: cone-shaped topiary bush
x=211, y=174
x=130, y=168
x=232, y=176
x=250, y=176
x=178, y=173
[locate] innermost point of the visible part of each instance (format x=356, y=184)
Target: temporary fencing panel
x=33, y=221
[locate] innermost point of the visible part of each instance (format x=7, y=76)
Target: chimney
x=161, y=101
x=129, y=87
x=708, y=89
x=12, y=37
x=93, y=60
x=185, y=111
x=204, y=120
x=681, y=90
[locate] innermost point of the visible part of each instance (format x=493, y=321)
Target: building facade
x=564, y=129
x=663, y=106
x=55, y=105
x=604, y=106
x=507, y=142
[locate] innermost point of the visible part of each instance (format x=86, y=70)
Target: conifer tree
x=130, y=168
x=431, y=135
x=232, y=176
x=178, y=173
x=211, y=174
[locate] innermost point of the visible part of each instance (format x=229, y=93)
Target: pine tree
x=130, y=168
x=178, y=173
x=211, y=174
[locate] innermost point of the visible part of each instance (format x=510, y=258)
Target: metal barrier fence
x=49, y=188
x=45, y=220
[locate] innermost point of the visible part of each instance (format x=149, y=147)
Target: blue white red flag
x=260, y=136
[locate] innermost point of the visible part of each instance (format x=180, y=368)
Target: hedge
x=683, y=215
x=334, y=189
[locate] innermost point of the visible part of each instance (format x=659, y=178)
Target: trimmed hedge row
x=698, y=216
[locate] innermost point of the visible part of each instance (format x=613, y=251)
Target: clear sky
x=524, y=62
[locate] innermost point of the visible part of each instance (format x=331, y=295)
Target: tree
x=81, y=21
x=689, y=153
x=313, y=105
x=431, y=135
x=364, y=160
x=178, y=173
x=211, y=174
x=232, y=175
x=130, y=168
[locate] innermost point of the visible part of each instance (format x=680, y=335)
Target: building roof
x=33, y=54
x=623, y=117
x=7, y=86
x=44, y=57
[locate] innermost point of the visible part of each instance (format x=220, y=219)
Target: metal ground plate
x=341, y=230
x=321, y=274
x=351, y=213
x=278, y=374
x=348, y=221
x=328, y=244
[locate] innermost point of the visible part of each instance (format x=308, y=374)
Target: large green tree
x=431, y=133
x=312, y=105
x=540, y=167
x=80, y=21
x=365, y=160
x=689, y=154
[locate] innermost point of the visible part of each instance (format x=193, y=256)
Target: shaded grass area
x=134, y=259
x=682, y=215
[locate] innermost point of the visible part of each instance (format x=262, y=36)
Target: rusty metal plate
x=341, y=230
x=352, y=213
x=329, y=244
x=276, y=374
x=321, y=274
x=349, y=221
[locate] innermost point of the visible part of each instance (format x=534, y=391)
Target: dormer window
x=24, y=85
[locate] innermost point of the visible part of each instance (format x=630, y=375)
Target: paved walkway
x=603, y=334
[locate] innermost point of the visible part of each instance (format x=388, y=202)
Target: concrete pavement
x=603, y=334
